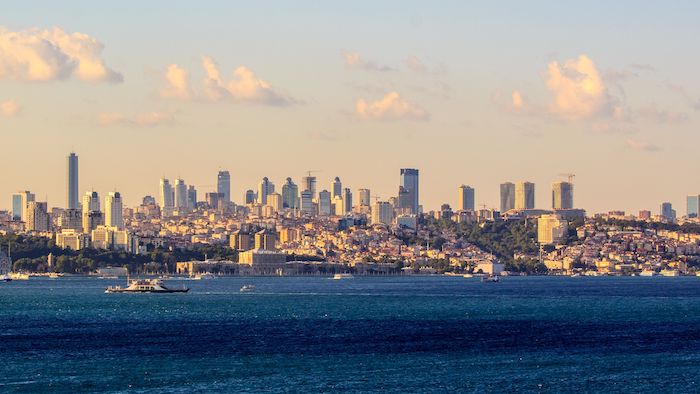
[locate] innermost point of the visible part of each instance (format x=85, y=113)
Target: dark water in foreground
x=393, y=334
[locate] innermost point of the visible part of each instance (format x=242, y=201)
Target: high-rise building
x=409, y=181
x=667, y=212
x=324, y=203
x=382, y=213
x=71, y=219
x=37, y=216
x=274, y=200
x=223, y=185
x=693, y=206
x=91, y=202
x=336, y=187
x=562, y=195
x=290, y=195
x=113, y=210
x=307, y=202
x=404, y=202
x=364, y=196
x=347, y=200
x=309, y=183
x=166, y=195
x=20, y=200
x=525, y=195
x=551, y=229
x=214, y=199
x=507, y=196
x=180, y=194
x=191, y=197
x=92, y=217
x=264, y=188
x=249, y=197
x=72, y=193
x=465, y=198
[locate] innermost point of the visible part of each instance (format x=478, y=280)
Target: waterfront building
x=263, y=262
x=223, y=185
x=507, y=196
x=409, y=183
x=525, y=195
x=382, y=213
x=465, y=198
x=551, y=229
x=324, y=203
x=563, y=195
x=72, y=191
x=113, y=210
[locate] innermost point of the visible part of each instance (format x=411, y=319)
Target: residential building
x=465, y=198
x=113, y=210
x=507, y=196
x=551, y=229
x=382, y=213
x=563, y=195
x=525, y=195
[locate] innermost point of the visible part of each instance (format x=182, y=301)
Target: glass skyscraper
x=223, y=185
x=72, y=197
x=409, y=181
x=693, y=206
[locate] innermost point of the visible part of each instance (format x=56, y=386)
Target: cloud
x=9, y=108
x=644, y=146
x=47, y=55
x=148, y=119
x=680, y=90
x=391, y=107
x=415, y=64
x=517, y=101
x=244, y=86
x=652, y=113
x=354, y=60
x=578, y=89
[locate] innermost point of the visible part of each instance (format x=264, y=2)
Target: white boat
x=342, y=276
x=247, y=289
x=668, y=272
x=467, y=276
x=144, y=286
x=491, y=278
x=6, y=278
x=54, y=275
x=205, y=275
x=648, y=273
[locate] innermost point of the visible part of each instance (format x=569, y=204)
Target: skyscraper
x=166, y=195
x=347, y=200
x=307, y=203
x=364, y=196
x=336, y=187
x=113, y=210
x=72, y=196
x=223, y=185
x=264, y=188
x=409, y=181
x=324, y=203
x=465, y=198
x=191, y=197
x=693, y=206
x=19, y=204
x=382, y=213
x=507, y=196
x=180, y=194
x=525, y=195
x=92, y=217
x=309, y=183
x=249, y=197
x=562, y=195
x=274, y=200
x=667, y=212
x=37, y=216
x=290, y=195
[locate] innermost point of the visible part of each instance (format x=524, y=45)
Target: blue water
x=388, y=334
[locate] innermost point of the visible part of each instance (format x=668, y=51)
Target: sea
x=391, y=334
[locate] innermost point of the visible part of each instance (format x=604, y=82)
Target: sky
x=474, y=93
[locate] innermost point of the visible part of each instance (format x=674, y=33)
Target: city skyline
x=413, y=104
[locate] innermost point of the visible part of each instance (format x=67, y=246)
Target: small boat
x=108, y=277
x=6, y=278
x=576, y=275
x=206, y=275
x=145, y=286
x=648, y=273
x=467, y=276
x=54, y=275
x=247, y=289
x=342, y=276
x=491, y=278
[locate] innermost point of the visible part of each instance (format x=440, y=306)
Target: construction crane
x=568, y=176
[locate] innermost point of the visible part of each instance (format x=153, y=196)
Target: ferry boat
x=247, y=289
x=145, y=286
x=342, y=276
x=206, y=275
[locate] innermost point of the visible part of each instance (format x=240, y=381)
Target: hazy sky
x=469, y=93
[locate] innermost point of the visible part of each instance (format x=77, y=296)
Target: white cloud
x=640, y=145
x=48, y=55
x=148, y=119
x=391, y=107
x=355, y=60
x=517, y=101
x=9, y=108
x=578, y=89
x=244, y=86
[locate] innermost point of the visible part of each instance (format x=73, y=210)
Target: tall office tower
x=525, y=195
x=180, y=194
x=19, y=204
x=274, y=200
x=507, y=196
x=264, y=188
x=223, y=185
x=336, y=187
x=307, y=202
x=249, y=197
x=364, y=197
x=347, y=200
x=113, y=210
x=409, y=181
x=166, y=195
x=91, y=202
x=92, y=217
x=37, y=216
x=214, y=200
x=290, y=195
x=667, y=212
x=309, y=183
x=403, y=202
x=382, y=213
x=693, y=206
x=72, y=193
x=337, y=206
x=563, y=195
x=465, y=201
x=192, y=197
x=324, y=203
